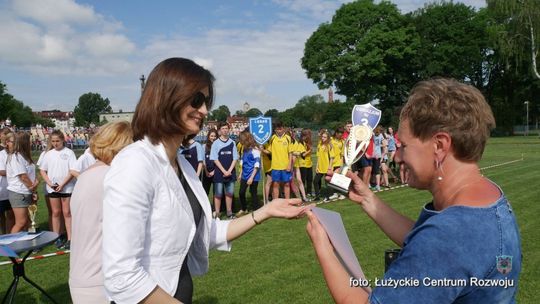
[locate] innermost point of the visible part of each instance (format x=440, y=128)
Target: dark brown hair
x=306, y=137
x=208, y=143
x=446, y=105
x=223, y=124
x=169, y=89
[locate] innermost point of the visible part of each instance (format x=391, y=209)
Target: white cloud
x=320, y=9
x=103, y=45
x=49, y=12
x=62, y=37
x=53, y=49
x=204, y=62
x=260, y=66
x=243, y=61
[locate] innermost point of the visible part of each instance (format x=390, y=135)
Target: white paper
x=16, y=237
x=332, y=223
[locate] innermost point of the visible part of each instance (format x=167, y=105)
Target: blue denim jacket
x=456, y=256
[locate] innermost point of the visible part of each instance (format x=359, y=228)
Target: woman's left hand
x=286, y=208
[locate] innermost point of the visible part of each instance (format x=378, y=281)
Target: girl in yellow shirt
x=298, y=187
x=325, y=158
x=305, y=162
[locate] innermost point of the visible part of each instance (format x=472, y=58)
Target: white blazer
x=148, y=224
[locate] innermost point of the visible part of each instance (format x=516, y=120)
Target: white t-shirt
x=85, y=161
x=57, y=163
x=40, y=159
x=4, y=194
x=17, y=165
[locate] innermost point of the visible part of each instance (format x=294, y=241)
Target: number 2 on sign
x=364, y=121
x=261, y=127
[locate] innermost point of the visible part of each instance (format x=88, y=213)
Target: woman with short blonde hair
x=467, y=233
x=85, y=275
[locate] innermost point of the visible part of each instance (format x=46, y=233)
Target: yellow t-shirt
x=338, y=152
x=280, y=148
x=324, y=154
x=298, y=150
x=267, y=163
x=306, y=161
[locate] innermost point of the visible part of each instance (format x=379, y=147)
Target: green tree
x=518, y=29
x=310, y=109
x=253, y=112
x=271, y=113
x=336, y=114
x=287, y=118
x=89, y=107
x=19, y=114
x=220, y=114
x=365, y=53
x=454, y=42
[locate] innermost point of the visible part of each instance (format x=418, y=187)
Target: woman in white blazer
x=157, y=221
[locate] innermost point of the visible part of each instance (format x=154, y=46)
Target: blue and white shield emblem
x=261, y=128
x=366, y=114
x=504, y=263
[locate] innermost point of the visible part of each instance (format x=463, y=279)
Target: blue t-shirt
x=225, y=152
x=462, y=249
x=193, y=154
x=391, y=143
x=251, y=159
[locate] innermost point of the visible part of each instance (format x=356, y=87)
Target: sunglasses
x=199, y=99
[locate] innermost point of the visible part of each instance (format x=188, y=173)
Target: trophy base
x=32, y=230
x=340, y=182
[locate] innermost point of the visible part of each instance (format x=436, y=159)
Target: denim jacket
x=461, y=254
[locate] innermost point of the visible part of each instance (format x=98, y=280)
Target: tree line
x=372, y=52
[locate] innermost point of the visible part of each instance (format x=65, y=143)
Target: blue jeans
x=219, y=187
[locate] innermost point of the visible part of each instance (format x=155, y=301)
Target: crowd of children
x=292, y=161
x=58, y=167
x=288, y=161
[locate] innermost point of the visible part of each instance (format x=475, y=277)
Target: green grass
x=275, y=262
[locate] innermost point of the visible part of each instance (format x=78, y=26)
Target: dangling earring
x=439, y=168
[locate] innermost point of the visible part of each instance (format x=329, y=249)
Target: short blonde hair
x=446, y=105
x=110, y=139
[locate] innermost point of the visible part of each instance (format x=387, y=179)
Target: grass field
x=275, y=262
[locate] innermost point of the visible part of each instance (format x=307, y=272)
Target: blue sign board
x=261, y=128
x=366, y=115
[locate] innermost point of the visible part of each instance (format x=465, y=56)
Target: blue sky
x=53, y=51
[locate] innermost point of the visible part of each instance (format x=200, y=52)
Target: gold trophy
x=32, y=210
x=355, y=146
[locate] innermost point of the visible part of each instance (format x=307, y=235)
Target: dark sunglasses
x=199, y=99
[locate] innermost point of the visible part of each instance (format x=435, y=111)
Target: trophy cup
x=32, y=209
x=355, y=146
